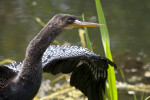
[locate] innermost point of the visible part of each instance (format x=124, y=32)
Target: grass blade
x=147, y=98
x=6, y=61
x=106, y=43
x=134, y=95
x=87, y=36
x=142, y=97
x=82, y=37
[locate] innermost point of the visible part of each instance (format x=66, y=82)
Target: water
x=128, y=24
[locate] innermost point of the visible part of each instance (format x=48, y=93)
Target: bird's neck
x=40, y=43
x=32, y=65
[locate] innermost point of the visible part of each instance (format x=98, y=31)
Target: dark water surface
x=128, y=23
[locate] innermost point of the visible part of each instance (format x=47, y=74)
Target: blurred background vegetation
x=128, y=25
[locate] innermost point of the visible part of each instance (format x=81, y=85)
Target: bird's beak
x=78, y=23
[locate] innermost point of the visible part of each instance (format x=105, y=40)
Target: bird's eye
x=70, y=21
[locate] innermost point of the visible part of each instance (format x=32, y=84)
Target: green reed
x=106, y=44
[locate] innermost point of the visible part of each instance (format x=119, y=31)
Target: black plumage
x=89, y=70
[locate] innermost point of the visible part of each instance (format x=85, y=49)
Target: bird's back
x=7, y=73
x=10, y=89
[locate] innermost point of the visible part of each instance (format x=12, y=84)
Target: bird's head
x=66, y=21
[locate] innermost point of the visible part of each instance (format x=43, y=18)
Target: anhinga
x=21, y=81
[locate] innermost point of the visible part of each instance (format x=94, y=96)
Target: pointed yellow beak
x=78, y=23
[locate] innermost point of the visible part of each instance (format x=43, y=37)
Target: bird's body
x=21, y=81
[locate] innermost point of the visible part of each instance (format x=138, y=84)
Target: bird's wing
x=89, y=71
x=64, y=59
x=90, y=79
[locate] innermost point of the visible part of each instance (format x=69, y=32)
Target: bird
x=21, y=80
